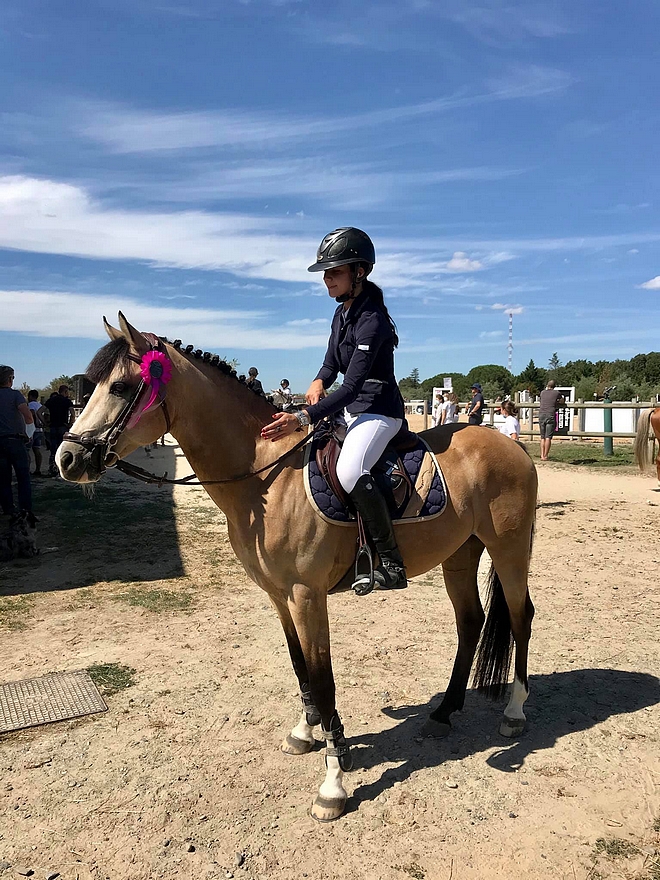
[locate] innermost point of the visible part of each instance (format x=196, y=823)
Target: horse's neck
x=217, y=424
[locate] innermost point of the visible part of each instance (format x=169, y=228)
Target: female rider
x=361, y=346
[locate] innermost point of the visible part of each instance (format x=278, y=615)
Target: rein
x=139, y=473
x=102, y=446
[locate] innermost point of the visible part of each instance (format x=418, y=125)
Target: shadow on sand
x=561, y=703
x=126, y=531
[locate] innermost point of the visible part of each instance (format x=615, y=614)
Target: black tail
x=496, y=646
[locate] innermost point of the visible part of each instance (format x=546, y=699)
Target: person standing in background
x=38, y=438
x=475, y=409
x=549, y=404
x=60, y=407
x=511, y=426
x=16, y=426
x=449, y=409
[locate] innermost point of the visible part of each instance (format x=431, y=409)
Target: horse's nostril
x=66, y=460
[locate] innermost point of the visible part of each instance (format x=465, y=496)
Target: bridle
x=101, y=449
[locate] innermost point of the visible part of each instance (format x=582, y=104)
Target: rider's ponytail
x=376, y=295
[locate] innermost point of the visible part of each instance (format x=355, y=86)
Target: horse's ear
x=130, y=334
x=112, y=332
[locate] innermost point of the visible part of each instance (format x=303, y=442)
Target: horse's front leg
x=309, y=612
x=301, y=739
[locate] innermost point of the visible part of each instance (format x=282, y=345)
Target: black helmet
x=284, y=382
x=253, y=371
x=343, y=246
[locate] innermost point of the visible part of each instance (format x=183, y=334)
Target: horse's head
x=125, y=411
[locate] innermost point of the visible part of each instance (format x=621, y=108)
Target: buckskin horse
x=296, y=556
x=648, y=434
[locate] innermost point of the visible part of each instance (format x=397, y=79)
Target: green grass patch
x=585, y=454
x=110, y=678
x=14, y=611
x=614, y=848
x=157, y=600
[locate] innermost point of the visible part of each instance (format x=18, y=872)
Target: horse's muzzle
x=78, y=464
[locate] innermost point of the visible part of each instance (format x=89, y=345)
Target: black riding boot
x=367, y=498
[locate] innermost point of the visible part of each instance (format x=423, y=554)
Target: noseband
x=101, y=449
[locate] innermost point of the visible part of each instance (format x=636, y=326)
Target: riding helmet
x=343, y=246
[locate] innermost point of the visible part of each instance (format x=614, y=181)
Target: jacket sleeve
x=370, y=333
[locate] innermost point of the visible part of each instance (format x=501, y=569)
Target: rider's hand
x=282, y=425
x=315, y=392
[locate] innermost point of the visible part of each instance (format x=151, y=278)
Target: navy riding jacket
x=361, y=347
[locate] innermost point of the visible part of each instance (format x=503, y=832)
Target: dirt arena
x=182, y=777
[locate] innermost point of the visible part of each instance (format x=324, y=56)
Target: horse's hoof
x=294, y=746
x=436, y=729
x=327, y=809
x=511, y=727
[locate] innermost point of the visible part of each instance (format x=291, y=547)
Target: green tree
x=459, y=382
x=54, y=384
x=493, y=374
x=554, y=363
x=531, y=379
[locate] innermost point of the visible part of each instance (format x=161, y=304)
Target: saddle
x=389, y=472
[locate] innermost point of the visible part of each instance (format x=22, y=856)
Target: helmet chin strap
x=356, y=279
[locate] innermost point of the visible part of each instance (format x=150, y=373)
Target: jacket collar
x=356, y=308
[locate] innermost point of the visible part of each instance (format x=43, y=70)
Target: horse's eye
x=118, y=388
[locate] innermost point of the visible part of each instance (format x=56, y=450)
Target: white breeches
x=366, y=439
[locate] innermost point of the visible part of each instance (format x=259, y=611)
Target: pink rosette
x=156, y=372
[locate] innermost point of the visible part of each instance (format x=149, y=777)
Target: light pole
x=608, y=442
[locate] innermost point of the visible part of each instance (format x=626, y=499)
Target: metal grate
x=53, y=697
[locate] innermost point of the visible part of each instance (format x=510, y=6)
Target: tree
x=54, y=384
x=531, y=379
x=493, y=374
x=24, y=389
x=554, y=363
x=413, y=378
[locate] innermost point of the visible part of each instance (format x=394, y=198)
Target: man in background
x=475, y=410
x=549, y=404
x=16, y=425
x=60, y=407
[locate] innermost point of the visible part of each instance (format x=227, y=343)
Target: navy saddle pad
x=429, y=489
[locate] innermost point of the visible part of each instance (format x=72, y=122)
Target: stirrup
x=364, y=582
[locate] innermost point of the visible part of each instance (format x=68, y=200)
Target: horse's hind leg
x=511, y=572
x=460, y=575
x=301, y=739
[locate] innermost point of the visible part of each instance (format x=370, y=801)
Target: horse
x=296, y=556
x=648, y=433
x=282, y=402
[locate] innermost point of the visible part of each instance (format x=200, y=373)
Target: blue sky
x=181, y=160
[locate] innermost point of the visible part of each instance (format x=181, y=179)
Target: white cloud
x=79, y=316
x=127, y=130
x=633, y=251
x=460, y=262
x=509, y=309
x=491, y=334
x=653, y=284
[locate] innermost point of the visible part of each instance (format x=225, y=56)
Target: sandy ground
x=182, y=777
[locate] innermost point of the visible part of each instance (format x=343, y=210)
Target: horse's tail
x=496, y=645
x=644, y=441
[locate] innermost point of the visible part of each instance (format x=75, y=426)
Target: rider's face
x=338, y=280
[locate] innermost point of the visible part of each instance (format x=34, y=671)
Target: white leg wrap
x=519, y=694
x=332, y=787
x=303, y=731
